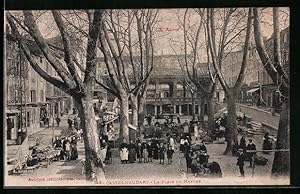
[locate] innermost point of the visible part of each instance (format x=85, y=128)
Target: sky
x=169, y=31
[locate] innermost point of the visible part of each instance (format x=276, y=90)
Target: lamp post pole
x=53, y=109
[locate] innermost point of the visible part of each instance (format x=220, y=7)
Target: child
x=139, y=152
x=161, y=152
x=124, y=152
x=145, y=154
x=170, y=152
x=194, y=163
x=68, y=149
x=150, y=151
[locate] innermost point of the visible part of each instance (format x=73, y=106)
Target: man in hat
x=240, y=161
x=251, y=146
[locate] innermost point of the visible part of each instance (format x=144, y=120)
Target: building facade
x=166, y=92
x=258, y=87
x=29, y=99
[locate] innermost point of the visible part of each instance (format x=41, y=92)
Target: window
x=11, y=94
x=32, y=96
x=48, y=89
x=166, y=94
x=41, y=59
x=41, y=95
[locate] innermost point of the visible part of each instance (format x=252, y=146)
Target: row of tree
x=125, y=40
x=226, y=30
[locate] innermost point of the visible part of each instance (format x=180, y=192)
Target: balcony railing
x=169, y=99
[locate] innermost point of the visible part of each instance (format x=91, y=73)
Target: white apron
x=124, y=154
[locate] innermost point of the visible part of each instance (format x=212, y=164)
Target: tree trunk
x=141, y=113
x=210, y=114
x=134, y=116
x=124, y=129
x=134, y=108
x=281, y=163
x=201, y=115
x=88, y=124
x=231, y=130
x=193, y=106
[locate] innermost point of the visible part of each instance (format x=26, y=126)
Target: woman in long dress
x=103, y=149
x=74, y=152
x=124, y=152
x=155, y=146
x=172, y=142
x=139, y=151
x=132, y=152
x=267, y=144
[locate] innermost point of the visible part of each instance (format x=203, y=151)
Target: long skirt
x=103, y=154
x=132, y=155
x=161, y=156
x=74, y=153
x=150, y=153
x=267, y=145
x=124, y=154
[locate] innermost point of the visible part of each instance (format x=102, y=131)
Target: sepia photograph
x=147, y=97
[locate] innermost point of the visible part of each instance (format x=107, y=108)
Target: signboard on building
x=109, y=117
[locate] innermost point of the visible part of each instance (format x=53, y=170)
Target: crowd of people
x=158, y=142
x=66, y=148
x=248, y=153
x=66, y=144
x=144, y=151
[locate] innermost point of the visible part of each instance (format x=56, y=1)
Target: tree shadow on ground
x=70, y=163
x=74, y=171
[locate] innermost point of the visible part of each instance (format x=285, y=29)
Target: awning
x=252, y=90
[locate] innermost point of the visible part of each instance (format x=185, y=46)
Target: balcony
x=169, y=100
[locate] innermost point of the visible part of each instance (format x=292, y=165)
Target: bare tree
x=274, y=68
x=202, y=78
x=142, y=67
x=81, y=89
x=127, y=46
x=217, y=56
